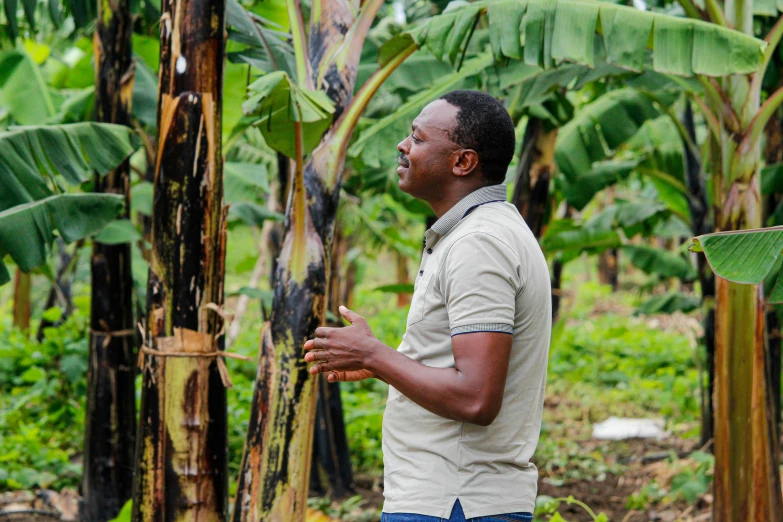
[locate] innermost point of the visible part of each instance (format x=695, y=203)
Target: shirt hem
x=470, y=511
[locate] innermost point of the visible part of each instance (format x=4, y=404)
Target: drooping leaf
x=23, y=91
x=31, y=155
x=660, y=262
x=145, y=95
x=268, y=49
x=242, y=181
x=581, y=191
x=279, y=102
x=141, y=198
x=27, y=231
x=668, y=304
x=563, y=30
x=599, y=128
x=564, y=236
x=117, y=232
x=741, y=257
x=251, y=214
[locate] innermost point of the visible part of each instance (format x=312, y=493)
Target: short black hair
x=483, y=124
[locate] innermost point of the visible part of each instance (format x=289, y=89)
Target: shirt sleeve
x=482, y=280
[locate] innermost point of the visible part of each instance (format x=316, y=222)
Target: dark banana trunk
x=182, y=447
x=111, y=405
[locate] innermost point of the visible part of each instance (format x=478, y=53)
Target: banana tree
x=273, y=476
x=181, y=455
x=110, y=420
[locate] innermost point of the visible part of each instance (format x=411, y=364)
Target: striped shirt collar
x=449, y=220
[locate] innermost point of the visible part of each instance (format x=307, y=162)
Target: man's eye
x=415, y=139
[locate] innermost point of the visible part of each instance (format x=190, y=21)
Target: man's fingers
x=318, y=355
x=309, y=345
x=335, y=376
x=349, y=315
x=322, y=332
x=319, y=368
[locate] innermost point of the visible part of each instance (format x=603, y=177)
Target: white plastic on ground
x=616, y=428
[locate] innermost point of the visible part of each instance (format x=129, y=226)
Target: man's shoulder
x=497, y=221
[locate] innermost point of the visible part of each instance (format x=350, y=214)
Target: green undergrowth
x=603, y=362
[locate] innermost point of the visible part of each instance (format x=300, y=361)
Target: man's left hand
x=343, y=353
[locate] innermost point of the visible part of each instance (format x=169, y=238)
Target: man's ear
x=466, y=163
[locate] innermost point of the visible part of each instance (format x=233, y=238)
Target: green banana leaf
x=117, y=232
x=745, y=257
x=600, y=128
x=23, y=91
x=668, y=304
x=29, y=156
x=587, y=185
x=565, y=236
x=27, y=231
x=268, y=50
x=660, y=262
x=545, y=33
x=279, y=102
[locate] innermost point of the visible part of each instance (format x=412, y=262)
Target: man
x=466, y=386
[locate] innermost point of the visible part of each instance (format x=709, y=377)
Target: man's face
x=427, y=155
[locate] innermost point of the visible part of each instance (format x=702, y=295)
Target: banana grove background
x=188, y=188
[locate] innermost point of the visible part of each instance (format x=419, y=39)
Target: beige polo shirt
x=481, y=270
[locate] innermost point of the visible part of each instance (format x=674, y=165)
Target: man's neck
x=447, y=201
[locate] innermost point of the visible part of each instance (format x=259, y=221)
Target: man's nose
x=403, y=146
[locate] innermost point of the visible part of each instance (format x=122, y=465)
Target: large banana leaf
x=27, y=231
x=29, y=156
x=744, y=257
x=600, y=128
x=566, y=236
x=23, y=92
x=268, y=49
x=380, y=139
x=279, y=102
x=602, y=175
x=669, y=303
x=546, y=32
x=660, y=262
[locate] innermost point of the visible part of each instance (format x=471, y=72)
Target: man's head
x=464, y=137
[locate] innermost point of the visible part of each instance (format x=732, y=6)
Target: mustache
x=403, y=160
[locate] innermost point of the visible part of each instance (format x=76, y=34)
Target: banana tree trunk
x=701, y=223
x=747, y=477
x=274, y=474
x=534, y=174
x=22, y=300
x=110, y=419
x=182, y=446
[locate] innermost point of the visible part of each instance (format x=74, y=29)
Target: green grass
x=603, y=361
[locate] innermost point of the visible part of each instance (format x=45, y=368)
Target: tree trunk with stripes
x=182, y=448
x=111, y=403
x=275, y=469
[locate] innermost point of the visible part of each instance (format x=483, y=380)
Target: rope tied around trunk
x=110, y=334
x=201, y=346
